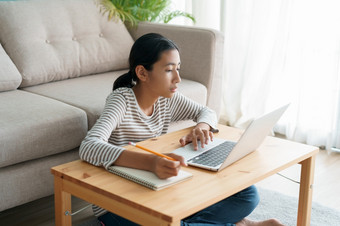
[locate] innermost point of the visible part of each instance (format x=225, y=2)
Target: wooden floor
x=327, y=185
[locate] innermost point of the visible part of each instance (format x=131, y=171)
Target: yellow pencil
x=153, y=152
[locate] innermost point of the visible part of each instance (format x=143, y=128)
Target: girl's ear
x=141, y=73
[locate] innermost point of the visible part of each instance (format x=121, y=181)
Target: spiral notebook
x=148, y=179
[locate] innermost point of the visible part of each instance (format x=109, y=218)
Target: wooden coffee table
x=168, y=206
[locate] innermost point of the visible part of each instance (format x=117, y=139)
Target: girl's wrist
x=152, y=162
x=203, y=125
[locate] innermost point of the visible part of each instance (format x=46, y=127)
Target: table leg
x=62, y=203
x=305, y=196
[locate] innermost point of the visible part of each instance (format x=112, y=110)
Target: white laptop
x=221, y=153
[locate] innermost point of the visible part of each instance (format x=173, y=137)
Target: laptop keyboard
x=215, y=155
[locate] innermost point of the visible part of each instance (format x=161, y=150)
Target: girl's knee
x=251, y=195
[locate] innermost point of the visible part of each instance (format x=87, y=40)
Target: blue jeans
x=226, y=212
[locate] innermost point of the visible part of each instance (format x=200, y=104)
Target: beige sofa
x=58, y=61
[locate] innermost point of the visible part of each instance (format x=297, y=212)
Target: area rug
x=283, y=208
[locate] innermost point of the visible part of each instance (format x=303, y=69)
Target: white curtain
x=280, y=51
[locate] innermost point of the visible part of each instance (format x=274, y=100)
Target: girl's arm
x=162, y=167
x=183, y=108
x=96, y=149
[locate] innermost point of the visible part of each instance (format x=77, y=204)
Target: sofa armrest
x=201, y=51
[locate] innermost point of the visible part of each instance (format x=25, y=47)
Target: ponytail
x=125, y=80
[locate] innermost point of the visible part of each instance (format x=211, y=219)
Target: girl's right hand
x=165, y=168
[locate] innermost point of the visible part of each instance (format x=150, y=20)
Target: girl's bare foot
x=270, y=222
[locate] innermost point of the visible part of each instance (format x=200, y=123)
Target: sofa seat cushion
x=30, y=180
x=33, y=126
x=10, y=77
x=56, y=40
x=89, y=92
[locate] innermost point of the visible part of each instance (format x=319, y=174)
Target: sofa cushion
x=56, y=40
x=28, y=181
x=10, y=77
x=33, y=126
x=89, y=92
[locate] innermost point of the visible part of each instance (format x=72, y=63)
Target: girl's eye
x=170, y=70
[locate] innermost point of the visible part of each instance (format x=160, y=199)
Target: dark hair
x=146, y=51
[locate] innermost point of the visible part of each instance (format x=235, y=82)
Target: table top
x=204, y=189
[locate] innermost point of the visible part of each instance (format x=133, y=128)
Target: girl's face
x=163, y=78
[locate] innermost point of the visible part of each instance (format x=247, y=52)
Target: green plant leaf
x=178, y=13
x=132, y=11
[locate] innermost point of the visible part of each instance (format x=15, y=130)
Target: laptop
x=220, y=153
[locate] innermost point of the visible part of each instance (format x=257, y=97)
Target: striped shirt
x=123, y=121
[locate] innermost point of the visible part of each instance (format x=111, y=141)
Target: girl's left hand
x=200, y=132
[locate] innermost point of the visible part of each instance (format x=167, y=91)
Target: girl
x=143, y=103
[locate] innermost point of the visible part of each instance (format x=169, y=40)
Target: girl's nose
x=177, y=77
